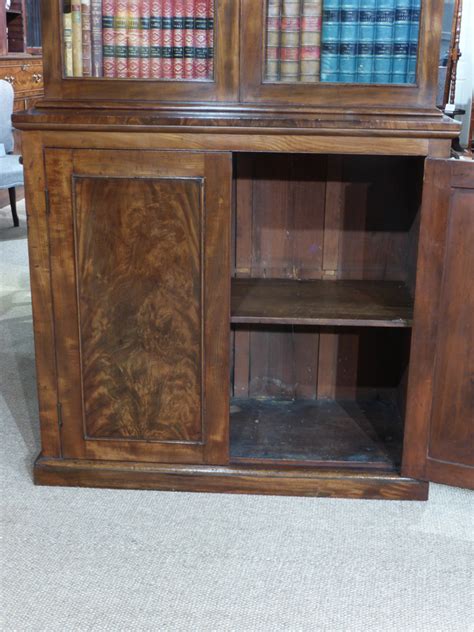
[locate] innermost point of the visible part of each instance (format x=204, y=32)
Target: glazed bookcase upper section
x=345, y=54
x=134, y=50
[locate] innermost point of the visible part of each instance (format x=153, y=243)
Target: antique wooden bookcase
x=258, y=280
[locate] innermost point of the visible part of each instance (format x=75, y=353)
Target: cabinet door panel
x=137, y=241
x=452, y=435
x=440, y=417
x=139, y=270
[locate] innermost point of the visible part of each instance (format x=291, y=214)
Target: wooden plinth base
x=229, y=479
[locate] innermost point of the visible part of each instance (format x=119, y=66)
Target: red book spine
x=156, y=39
x=167, y=49
x=200, y=39
x=121, y=52
x=210, y=39
x=108, y=39
x=86, y=38
x=189, y=43
x=178, y=39
x=145, y=41
x=133, y=39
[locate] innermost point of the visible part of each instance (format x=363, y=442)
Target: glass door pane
x=168, y=40
x=342, y=41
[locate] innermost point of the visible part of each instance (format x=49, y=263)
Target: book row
x=139, y=39
x=350, y=41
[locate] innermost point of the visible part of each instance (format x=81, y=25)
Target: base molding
x=327, y=483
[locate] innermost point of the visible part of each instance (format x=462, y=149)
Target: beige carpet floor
x=78, y=559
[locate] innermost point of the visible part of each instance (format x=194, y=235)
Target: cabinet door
x=439, y=438
x=142, y=51
x=139, y=247
x=343, y=53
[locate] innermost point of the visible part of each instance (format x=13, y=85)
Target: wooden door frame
x=441, y=177
x=73, y=89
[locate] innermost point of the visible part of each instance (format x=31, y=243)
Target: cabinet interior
x=324, y=255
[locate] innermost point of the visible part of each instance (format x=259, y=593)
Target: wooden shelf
x=317, y=433
x=316, y=302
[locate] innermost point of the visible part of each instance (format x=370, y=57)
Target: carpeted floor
x=77, y=559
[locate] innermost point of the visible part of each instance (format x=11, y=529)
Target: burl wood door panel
x=140, y=274
x=439, y=442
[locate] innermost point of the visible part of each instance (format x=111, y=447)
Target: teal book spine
x=366, y=41
x=348, y=41
x=383, y=53
x=330, y=40
x=415, y=13
x=401, y=37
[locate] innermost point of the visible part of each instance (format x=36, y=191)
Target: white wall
x=465, y=72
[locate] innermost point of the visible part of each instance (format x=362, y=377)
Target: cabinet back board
x=321, y=217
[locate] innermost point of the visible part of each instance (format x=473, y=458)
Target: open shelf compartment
x=321, y=302
x=325, y=251
x=317, y=433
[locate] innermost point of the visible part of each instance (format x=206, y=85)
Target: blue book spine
x=415, y=13
x=401, y=37
x=366, y=40
x=348, y=42
x=331, y=40
x=383, y=53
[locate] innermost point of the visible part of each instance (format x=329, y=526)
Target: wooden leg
x=12, y=194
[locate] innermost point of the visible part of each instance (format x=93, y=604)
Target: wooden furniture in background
x=21, y=63
x=275, y=241
x=25, y=73
x=20, y=27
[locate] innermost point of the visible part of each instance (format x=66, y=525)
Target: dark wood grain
x=182, y=138
x=138, y=254
x=242, y=247
x=320, y=433
x=452, y=435
x=235, y=479
x=320, y=302
x=439, y=438
x=135, y=115
x=40, y=280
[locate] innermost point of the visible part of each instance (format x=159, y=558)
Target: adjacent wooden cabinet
x=258, y=280
x=20, y=52
x=25, y=73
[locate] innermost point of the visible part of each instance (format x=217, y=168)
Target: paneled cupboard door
x=162, y=50
x=349, y=53
x=139, y=246
x=439, y=432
